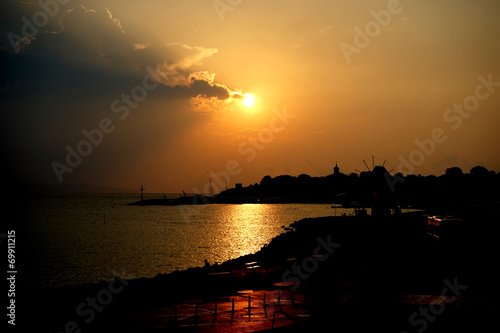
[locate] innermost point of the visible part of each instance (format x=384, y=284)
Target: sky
x=130, y=93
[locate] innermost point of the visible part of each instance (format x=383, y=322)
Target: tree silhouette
x=479, y=171
x=454, y=171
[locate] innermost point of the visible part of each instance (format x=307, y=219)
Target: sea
x=72, y=239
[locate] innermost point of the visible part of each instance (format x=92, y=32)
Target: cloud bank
x=91, y=49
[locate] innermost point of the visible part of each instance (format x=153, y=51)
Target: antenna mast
x=142, y=189
x=211, y=189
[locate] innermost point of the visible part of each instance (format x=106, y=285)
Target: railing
x=223, y=312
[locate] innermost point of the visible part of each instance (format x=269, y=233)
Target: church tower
x=336, y=169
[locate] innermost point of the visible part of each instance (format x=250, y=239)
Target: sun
x=249, y=100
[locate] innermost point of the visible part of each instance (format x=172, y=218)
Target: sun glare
x=249, y=100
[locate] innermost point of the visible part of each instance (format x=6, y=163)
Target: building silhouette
x=336, y=169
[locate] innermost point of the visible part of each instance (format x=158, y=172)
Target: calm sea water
x=87, y=238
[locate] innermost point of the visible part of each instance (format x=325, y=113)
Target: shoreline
x=381, y=259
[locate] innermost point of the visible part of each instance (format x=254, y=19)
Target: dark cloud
x=201, y=87
x=92, y=51
x=66, y=77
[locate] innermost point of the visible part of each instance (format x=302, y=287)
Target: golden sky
x=150, y=92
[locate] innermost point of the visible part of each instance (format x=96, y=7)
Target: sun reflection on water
x=249, y=225
x=71, y=244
